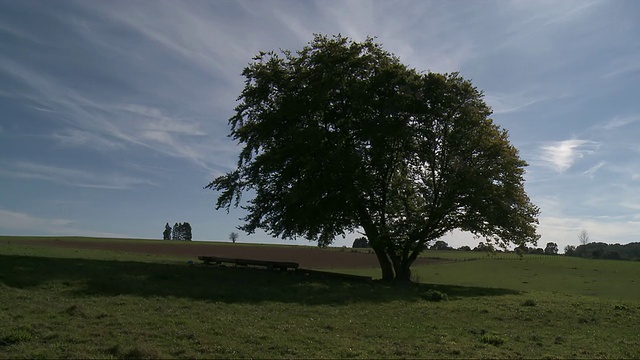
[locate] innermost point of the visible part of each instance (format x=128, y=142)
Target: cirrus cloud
x=561, y=155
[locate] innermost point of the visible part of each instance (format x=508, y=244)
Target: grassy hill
x=89, y=303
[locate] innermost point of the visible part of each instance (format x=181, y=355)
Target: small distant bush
x=434, y=295
x=140, y=351
x=493, y=339
x=529, y=302
x=586, y=320
x=15, y=337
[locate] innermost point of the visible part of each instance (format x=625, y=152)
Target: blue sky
x=113, y=114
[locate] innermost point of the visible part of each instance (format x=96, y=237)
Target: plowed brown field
x=307, y=257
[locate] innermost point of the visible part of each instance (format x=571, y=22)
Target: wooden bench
x=281, y=265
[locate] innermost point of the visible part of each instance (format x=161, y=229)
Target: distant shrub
x=570, y=250
x=14, y=337
x=585, y=320
x=434, y=295
x=529, y=302
x=140, y=351
x=493, y=339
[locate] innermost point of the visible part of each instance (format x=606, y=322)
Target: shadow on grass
x=84, y=277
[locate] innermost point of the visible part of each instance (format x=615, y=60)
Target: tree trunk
x=385, y=264
x=403, y=271
x=402, y=266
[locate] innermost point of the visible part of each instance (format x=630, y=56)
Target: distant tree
x=360, y=242
x=341, y=136
x=570, y=250
x=166, y=235
x=186, y=232
x=583, y=237
x=181, y=231
x=440, y=245
x=464, y=248
x=175, y=233
x=481, y=247
x=551, y=249
x=233, y=237
x=537, y=251
x=612, y=255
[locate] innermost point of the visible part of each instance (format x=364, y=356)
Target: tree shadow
x=86, y=277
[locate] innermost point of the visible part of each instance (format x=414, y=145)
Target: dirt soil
x=307, y=257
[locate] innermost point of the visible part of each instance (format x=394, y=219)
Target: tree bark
x=403, y=271
x=385, y=264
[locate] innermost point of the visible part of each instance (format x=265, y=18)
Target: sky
x=113, y=114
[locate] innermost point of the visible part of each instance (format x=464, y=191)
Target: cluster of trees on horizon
x=180, y=231
x=592, y=250
x=600, y=250
x=550, y=249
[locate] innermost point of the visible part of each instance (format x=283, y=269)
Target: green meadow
x=72, y=303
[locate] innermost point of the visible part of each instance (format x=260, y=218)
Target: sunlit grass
x=63, y=303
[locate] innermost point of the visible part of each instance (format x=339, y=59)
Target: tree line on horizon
x=179, y=231
x=550, y=249
x=600, y=250
x=592, y=250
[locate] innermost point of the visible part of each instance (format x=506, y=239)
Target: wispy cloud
x=502, y=103
x=545, y=13
x=23, y=35
x=19, y=222
x=564, y=230
x=591, y=173
x=561, y=155
x=184, y=32
x=154, y=119
x=620, y=121
x=79, y=138
x=105, y=125
x=72, y=177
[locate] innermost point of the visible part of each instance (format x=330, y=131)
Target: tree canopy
x=361, y=243
x=181, y=231
x=551, y=248
x=341, y=136
x=166, y=234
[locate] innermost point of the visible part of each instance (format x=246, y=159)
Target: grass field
x=83, y=303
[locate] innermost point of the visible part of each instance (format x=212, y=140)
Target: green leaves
x=340, y=135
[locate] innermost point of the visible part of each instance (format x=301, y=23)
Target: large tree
x=551, y=249
x=341, y=136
